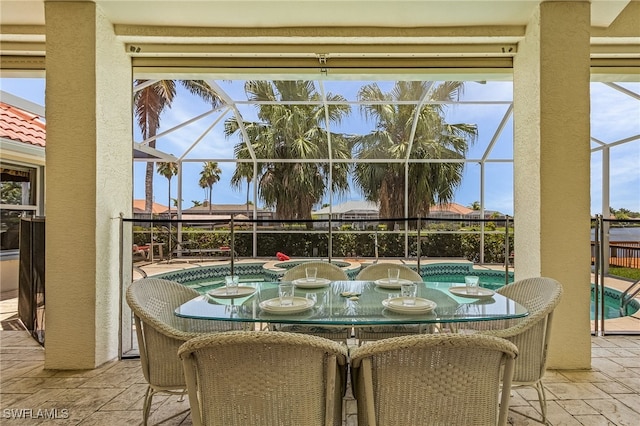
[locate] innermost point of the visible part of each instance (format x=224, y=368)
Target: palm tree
x=475, y=205
x=429, y=183
x=168, y=170
x=288, y=132
x=150, y=102
x=209, y=175
x=243, y=171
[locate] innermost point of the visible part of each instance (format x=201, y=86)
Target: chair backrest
x=160, y=333
x=380, y=270
x=440, y=379
x=540, y=296
x=325, y=270
x=264, y=378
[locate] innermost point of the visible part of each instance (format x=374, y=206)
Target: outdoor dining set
x=286, y=352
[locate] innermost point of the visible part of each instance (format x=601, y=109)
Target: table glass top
x=349, y=303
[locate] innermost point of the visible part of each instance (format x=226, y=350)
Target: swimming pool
x=612, y=304
x=203, y=278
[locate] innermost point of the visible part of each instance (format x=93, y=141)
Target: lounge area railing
x=478, y=240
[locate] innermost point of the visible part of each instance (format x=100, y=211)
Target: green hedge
x=298, y=243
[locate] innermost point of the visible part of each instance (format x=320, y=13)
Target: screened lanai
x=201, y=137
x=192, y=132
x=104, y=46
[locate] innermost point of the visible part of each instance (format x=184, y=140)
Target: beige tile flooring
x=607, y=394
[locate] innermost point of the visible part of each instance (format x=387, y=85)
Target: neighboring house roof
x=454, y=208
x=138, y=207
x=212, y=217
x=369, y=207
x=487, y=213
x=19, y=125
x=219, y=208
x=349, y=206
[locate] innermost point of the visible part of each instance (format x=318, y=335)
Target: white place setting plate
x=311, y=283
x=273, y=306
x=384, y=283
x=221, y=292
x=421, y=306
x=481, y=293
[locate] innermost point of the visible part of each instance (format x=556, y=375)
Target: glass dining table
x=351, y=303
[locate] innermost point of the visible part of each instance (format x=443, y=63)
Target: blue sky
x=614, y=116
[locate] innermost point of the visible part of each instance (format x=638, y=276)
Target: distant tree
x=196, y=203
x=244, y=171
x=11, y=192
x=623, y=214
x=475, y=205
x=168, y=170
x=209, y=176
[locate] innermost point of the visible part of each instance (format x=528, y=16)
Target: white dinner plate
x=309, y=283
x=481, y=293
x=384, y=283
x=221, y=292
x=300, y=304
x=396, y=305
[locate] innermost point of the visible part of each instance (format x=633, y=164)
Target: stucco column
x=551, y=168
x=88, y=175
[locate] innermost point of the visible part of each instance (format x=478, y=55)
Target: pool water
x=611, y=308
x=611, y=297
x=488, y=281
x=205, y=278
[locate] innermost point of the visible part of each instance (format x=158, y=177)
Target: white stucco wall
x=552, y=164
x=89, y=176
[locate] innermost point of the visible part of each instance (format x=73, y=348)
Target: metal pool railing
x=606, y=254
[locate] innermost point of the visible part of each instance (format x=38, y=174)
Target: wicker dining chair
x=264, y=378
x=530, y=334
x=379, y=271
x=160, y=333
x=325, y=270
x=435, y=379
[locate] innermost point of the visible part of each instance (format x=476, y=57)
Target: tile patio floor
x=608, y=394
x=112, y=395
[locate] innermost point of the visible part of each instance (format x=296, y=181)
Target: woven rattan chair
x=328, y=271
x=379, y=271
x=433, y=379
x=264, y=378
x=325, y=270
x=160, y=333
x=530, y=334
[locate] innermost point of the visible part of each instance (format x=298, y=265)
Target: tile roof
x=450, y=208
x=21, y=126
x=138, y=207
x=349, y=206
x=219, y=208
